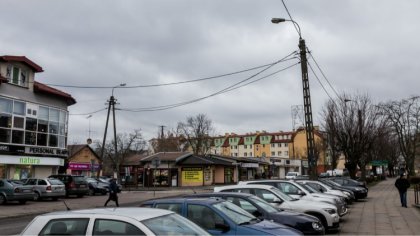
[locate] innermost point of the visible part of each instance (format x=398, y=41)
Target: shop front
x=85, y=169
x=22, y=167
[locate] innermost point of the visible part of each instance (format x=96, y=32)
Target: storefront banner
x=192, y=175
x=83, y=166
x=249, y=165
x=31, y=160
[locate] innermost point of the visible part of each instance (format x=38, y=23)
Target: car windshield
x=235, y=213
x=309, y=188
x=173, y=224
x=263, y=204
x=333, y=183
x=291, y=174
x=15, y=182
x=282, y=195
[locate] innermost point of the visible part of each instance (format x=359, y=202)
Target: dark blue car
x=307, y=224
x=220, y=217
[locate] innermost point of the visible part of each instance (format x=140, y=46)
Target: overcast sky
x=361, y=46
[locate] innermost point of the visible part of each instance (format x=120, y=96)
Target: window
x=175, y=207
x=43, y=113
x=17, y=136
x=6, y=105
x=31, y=124
x=250, y=154
x=286, y=144
x=5, y=135
x=17, y=75
x=263, y=145
x=18, y=122
x=245, y=146
x=273, y=153
x=65, y=227
x=115, y=227
x=272, y=145
x=286, y=153
x=279, y=153
x=5, y=120
x=245, y=154
x=203, y=216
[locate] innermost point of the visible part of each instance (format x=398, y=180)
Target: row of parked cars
x=53, y=187
x=263, y=207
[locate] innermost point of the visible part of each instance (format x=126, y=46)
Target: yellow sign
x=192, y=175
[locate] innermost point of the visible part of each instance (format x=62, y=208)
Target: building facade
x=33, y=121
x=82, y=160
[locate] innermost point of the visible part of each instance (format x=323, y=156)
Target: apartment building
x=33, y=121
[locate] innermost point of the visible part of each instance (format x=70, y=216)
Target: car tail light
x=48, y=188
x=17, y=190
x=72, y=185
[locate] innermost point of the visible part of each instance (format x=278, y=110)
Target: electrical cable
x=325, y=77
x=287, y=10
x=89, y=113
x=164, y=84
x=230, y=88
x=319, y=81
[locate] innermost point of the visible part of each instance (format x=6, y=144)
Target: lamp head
x=277, y=20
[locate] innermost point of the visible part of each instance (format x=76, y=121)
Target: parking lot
x=379, y=214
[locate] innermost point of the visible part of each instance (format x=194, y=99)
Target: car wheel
x=22, y=202
x=320, y=218
x=55, y=198
x=80, y=195
x=3, y=199
x=37, y=197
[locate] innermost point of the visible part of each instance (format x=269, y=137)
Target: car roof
x=184, y=199
x=137, y=213
x=221, y=194
x=260, y=186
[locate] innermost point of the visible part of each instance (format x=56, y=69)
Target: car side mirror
x=277, y=200
x=301, y=193
x=257, y=213
x=222, y=226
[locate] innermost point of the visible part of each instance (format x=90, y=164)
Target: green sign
x=379, y=163
x=29, y=160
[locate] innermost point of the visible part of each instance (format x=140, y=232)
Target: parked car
x=106, y=183
x=307, y=224
x=325, y=212
x=359, y=192
x=96, y=186
x=112, y=221
x=295, y=190
x=75, y=184
x=291, y=175
x=220, y=217
x=323, y=188
x=11, y=190
x=345, y=181
x=47, y=188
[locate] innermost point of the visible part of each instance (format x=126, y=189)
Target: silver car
x=47, y=188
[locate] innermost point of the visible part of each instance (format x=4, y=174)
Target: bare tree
x=168, y=142
x=127, y=144
x=197, y=132
x=405, y=119
x=353, y=124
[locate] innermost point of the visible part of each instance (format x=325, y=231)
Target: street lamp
x=309, y=127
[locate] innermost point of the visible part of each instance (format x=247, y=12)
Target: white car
x=325, y=212
x=296, y=190
x=291, y=175
x=113, y=221
x=323, y=188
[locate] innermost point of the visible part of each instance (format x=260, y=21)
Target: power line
x=166, y=84
x=89, y=113
x=319, y=81
x=325, y=77
x=230, y=88
x=287, y=10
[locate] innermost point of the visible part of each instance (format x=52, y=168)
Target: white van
x=292, y=175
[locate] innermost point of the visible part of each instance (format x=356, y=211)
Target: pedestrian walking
x=402, y=185
x=113, y=189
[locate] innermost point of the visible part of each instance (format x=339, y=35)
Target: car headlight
x=330, y=210
x=317, y=226
x=359, y=189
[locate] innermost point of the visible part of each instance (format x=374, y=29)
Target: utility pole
x=309, y=127
x=111, y=105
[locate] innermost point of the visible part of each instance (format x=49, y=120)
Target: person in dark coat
x=113, y=189
x=402, y=185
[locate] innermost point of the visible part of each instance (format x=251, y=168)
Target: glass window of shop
x=46, y=126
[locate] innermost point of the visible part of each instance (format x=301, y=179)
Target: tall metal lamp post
x=309, y=127
x=111, y=105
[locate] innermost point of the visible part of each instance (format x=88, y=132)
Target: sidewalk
x=381, y=213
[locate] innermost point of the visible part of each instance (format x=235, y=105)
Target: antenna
x=297, y=116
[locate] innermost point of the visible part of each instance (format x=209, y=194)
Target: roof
x=166, y=156
x=76, y=148
x=22, y=59
x=136, y=213
x=133, y=159
x=42, y=88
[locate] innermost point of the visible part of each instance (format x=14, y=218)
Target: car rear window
x=55, y=182
x=78, y=178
